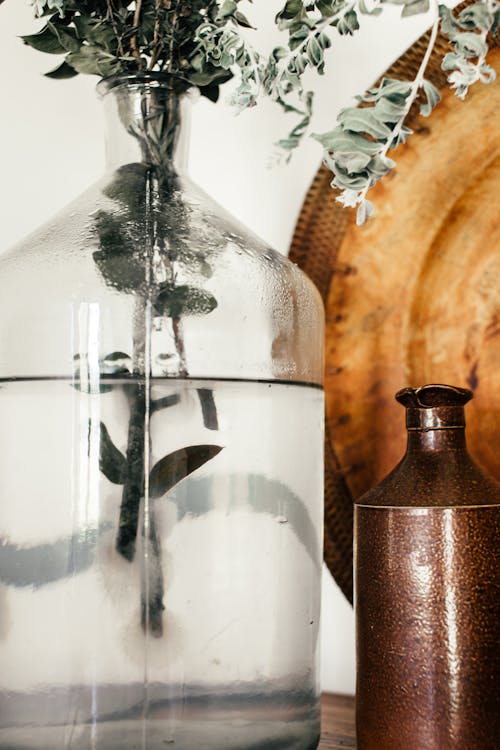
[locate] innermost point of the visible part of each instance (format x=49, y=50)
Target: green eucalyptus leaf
x=433, y=97
x=45, y=41
x=292, y=13
x=128, y=188
x=496, y=21
x=175, y=467
x=227, y=9
x=365, y=10
x=176, y=301
x=451, y=61
x=117, y=258
x=338, y=140
x=411, y=7
x=93, y=61
x=366, y=210
x=279, y=53
x=300, y=64
x=211, y=92
x=345, y=180
x=103, y=36
x=363, y=121
x=314, y=51
x=415, y=8
x=380, y=166
x=298, y=37
x=327, y=8
x=207, y=75
x=487, y=73
x=476, y=17
x=388, y=111
x=66, y=37
x=287, y=144
x=243, y=20
x=348, y=24
x=116, y=363
x=391, y=89
x=61, y=72
x=401, y=136
x=116, y=357
x=448, y=24
x=470, y=45
x=353, y=162
x=84, y=26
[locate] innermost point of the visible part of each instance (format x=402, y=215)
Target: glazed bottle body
x=427, y=593
x=161, y=415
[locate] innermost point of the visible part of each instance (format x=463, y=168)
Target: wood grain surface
x=337, y=722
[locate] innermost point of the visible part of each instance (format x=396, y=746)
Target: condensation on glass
x=161, y=421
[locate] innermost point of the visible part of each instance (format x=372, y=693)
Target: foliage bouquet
x=206, y=43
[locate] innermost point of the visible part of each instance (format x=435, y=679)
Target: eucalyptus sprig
x=206, y=42
x=468, y=33
x=356, y=150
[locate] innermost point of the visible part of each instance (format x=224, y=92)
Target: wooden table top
x=337, y=722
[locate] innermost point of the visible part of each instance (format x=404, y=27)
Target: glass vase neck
x=147, y=121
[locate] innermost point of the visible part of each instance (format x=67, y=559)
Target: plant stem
x=179, y=346
x=415, y=88
x=133, y=489
x=175, y=18
x=157, y=45
x=414, y=92
x=208, y=408
x=153, y=588
x=133, y=39
x=119, y=37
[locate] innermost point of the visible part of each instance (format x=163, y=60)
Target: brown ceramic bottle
x=427, y=588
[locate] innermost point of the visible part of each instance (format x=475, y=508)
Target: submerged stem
x=179, y=346
x=153, y=589
x=133, y=489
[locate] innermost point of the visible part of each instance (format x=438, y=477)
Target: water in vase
x=159, y=552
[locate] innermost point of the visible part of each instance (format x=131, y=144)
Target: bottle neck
x=440, y=428
x=148, y=122
x=452, y=440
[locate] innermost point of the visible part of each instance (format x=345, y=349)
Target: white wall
x=51, y=149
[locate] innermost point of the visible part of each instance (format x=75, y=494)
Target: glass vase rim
x=145, y=79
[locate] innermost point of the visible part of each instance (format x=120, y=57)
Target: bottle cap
x=434, y=407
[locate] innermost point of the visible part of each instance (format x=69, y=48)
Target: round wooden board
x=413, y=297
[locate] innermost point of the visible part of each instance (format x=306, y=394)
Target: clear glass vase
x=161, y=420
